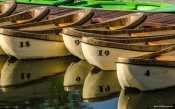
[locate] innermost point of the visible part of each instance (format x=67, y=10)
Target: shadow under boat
x=134, y=99
x=100, y=85
x=76, y=74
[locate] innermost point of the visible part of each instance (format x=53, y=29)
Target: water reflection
x=3, y=60
x=16, y=72
x=30, y=83
x=100, y=85
x=76, y=74
x=37, y=84
x=160, y=99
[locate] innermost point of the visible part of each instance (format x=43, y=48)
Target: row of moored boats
x=143, y=57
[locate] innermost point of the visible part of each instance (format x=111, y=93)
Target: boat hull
x=105, y=57
x=73, y=45
x=28, y=48
x=145, y=77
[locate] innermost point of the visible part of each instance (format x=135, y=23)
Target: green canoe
x=44, y=2
x=125, y=6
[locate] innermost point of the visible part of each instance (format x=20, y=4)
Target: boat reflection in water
x=30, y=82
x=3, y=60
x=160, y=99
x=17, y=72
x=76, y=74
x=100, y=85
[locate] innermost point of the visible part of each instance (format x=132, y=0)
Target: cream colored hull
x=26, y=48
x=73, y=45
x=145, y=78
x=104, y=57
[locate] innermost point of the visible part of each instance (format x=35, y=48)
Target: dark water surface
x=67, y=83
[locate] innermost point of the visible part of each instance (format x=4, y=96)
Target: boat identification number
x=105, y=88
x=78, y=78
x=25, y=75
x=103, y=52
x=77, y=42
x=24, y=44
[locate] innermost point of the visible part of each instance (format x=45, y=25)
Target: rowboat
x=103, y=52
x=123, y=6
x=7, y=8
x=46, y=33
x=154, y=99
x=44, y=2
x=75, y=18
x=118, y=34
x=25, y=45
x=147, y=72
x=18, y=73
x=100, y=85
x=32, y=15
x=75, y=75
x=72, y=42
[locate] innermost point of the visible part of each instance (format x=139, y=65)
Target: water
x=68, y=83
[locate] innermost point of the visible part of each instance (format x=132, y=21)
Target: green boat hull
x=44, y=2
x=123, y=6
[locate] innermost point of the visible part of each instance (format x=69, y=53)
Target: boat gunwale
x=127, y=46
x=30, y=35
x=76, y=32
x=10, y=10
x=60, y=19
x=149, y=59
x=25, y=15
x=118, y=20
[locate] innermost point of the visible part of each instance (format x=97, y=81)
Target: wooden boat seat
x=65, y=24
x=139, y=34
x=158, y=43
x=165, y=58
x=21, y=21
x=115, y=27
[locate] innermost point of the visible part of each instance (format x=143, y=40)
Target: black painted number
x=147, y=73
x=104, y=88
x=78, y=78
x=25, y=75
x=77, y=42
x=24, y=44
x=103, y=52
